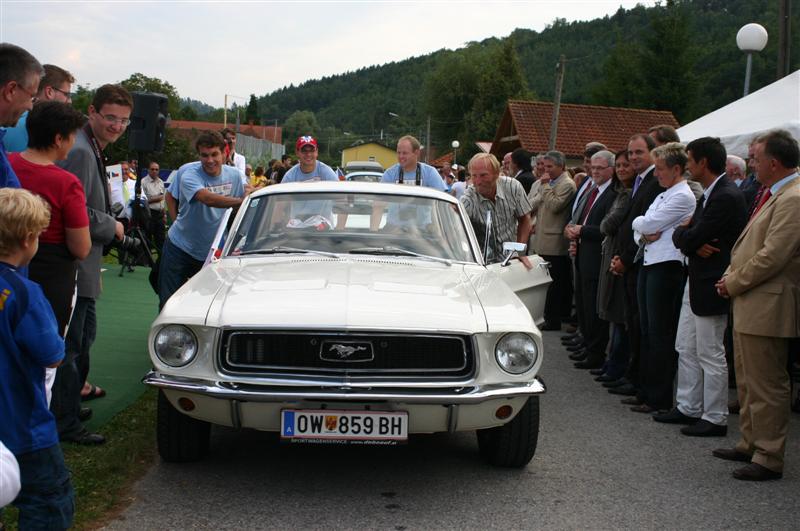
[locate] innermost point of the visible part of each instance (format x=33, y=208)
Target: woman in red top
x=51, y=133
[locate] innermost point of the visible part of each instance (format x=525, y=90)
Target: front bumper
x=429, y=410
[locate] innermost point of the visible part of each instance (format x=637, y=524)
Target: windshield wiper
x=288, y=250
x=397, y=251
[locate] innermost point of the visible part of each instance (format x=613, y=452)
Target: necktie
x=126, y=193
x=636, y=184
x=589, y=204
x=764, y=198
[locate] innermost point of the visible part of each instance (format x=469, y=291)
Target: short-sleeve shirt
x=61, y=189
x=509, y=205
x=399, y=216
x=305, y=209
x=197, y=223
x=151, y=188
x=29, y=342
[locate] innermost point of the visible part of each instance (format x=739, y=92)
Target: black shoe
x=615, y=383
x=733, y=407
x=577, y=340
x=631, y=401
x=547, y=326
x=643, y=408
x=756, y=472
x=704, y=428
x=85, y=438
x=578, y=356
x=674, y=416
x=731, y=454
x=85, y=414
x=624, y=390
x=604, y=378
x=576, y=348
x=589, y=364
x=570, y=337
x=597, y=372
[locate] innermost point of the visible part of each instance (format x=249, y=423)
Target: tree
x=297, y=124
x=501, y=79
x=143, y=83
x=251, y=113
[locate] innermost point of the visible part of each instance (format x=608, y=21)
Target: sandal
x=94, y=392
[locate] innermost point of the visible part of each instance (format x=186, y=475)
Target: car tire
x=513, y=444
x=181, y=439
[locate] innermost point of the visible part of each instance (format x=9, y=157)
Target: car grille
x=353, y=355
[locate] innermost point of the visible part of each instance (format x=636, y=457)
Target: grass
x=102, y=476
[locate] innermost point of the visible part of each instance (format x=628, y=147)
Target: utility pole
x=562, y=61
x=428, y=139
x=225, y=113
x=784, y=37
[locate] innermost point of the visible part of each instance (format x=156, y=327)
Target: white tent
x=772, y=107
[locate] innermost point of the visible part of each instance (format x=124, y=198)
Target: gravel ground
x=598, y=466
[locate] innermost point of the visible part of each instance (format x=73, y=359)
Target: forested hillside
x=680, y=56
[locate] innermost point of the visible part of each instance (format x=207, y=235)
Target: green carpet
x=119, y=357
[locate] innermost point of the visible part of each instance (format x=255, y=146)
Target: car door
x=529, y=285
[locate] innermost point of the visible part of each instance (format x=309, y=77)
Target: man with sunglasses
x=20, y=73
x=109, y=115
x=54, y=86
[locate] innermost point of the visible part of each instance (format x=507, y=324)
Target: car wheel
x=513, y=444
x=181, y=439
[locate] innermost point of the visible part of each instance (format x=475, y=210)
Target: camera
x=127, y=243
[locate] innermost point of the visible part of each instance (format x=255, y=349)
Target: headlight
x=516, y=353
x=175, y=345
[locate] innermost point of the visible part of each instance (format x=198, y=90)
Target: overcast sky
x=212, y=48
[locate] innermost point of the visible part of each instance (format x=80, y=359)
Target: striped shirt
x=510, y=204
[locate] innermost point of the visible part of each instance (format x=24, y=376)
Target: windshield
x=348, y=223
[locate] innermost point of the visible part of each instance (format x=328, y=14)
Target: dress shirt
x=669, y=209
x=600, y=189
x=707, y=191
x=587, y=182
x=639, y=178
x=775, y=188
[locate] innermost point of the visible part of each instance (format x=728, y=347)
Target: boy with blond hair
x=29, y=343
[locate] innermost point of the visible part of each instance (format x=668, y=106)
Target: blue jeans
x=618, y=352
x=660, y=291
x=71, y=374
x=176, y=268
x=46, y=500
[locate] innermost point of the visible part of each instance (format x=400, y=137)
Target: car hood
x=343, y=293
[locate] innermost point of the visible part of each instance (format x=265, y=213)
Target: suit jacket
x=639, y=203
x=749, y=187
x=526, y=179
x=82, y=162
x=551, y=206
x=763, y=278
x=587, y=259
x=718, y=221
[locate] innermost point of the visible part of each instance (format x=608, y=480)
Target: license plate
x=357, y=427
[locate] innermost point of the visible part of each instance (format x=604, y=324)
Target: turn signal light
x=503, y=412
x=185, y=404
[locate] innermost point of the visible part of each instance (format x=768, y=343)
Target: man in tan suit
x=551, y=208
x=763, y=282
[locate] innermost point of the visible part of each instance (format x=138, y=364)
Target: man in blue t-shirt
x=29, y=343
x=408, y=171
x=309, y=169
x=204, y=190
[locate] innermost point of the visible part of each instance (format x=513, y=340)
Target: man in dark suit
x=645, y=190
x=588, y=247
x=720, y=216
x=520, y=166
x=750, y=185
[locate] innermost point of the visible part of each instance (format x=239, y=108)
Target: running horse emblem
x=345, y=351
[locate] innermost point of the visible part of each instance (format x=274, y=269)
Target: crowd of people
x=677, y=264
x=684, y=274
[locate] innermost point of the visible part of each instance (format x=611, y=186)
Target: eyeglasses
x=600, y=168
x=32, y=95
x=110, y=118
x=64, y=93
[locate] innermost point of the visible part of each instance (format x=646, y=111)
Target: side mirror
x=511, y=249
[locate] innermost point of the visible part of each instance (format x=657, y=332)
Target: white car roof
x=354, y=188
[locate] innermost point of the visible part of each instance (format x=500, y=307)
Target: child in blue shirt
x=29, y=343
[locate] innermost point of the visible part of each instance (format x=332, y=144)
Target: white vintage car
x=352, y=313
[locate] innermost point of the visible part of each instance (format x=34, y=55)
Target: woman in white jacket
x=661, y=278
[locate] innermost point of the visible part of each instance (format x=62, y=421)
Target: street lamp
x=455, y=145
x=751, y=38
x=225, y=111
